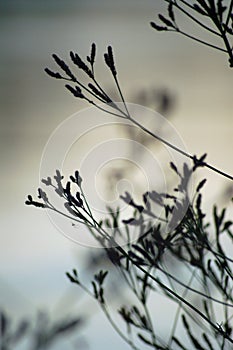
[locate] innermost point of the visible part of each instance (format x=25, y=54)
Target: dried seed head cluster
x=219, y=21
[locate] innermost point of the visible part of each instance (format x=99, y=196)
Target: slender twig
x=207, y=165
x=104, y=308
x=193, y=18
x=121, y=94
x=166, y=273
x=179, y=298
x=117, y=329
x=85, y=200
x=71, y=217
x=102, y=90
x=185, y=3
x=179, y=308
x=152, y=332
x=227, y=45
x=228, y=15
x=105, y=110
x=88, y=90
x=201, y=41
x=144, y=304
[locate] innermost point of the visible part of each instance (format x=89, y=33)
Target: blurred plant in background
x=38, y=334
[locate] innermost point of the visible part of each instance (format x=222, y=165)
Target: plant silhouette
x=183, y=260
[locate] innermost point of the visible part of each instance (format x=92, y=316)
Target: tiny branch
x=202, y=41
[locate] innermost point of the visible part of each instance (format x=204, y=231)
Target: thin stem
x=185, y=3
x=104, y=308
x=201, y=41
x=85, y=200
x=101, y=89
x=179, y=150
x=227, y=44
x=110, y=101
x=88, y=90
x=178, y=297
x=175, y=322
x=160, y=138
x=169, y=279
x=220, y=255
x=117, y=329
x=193, y=18
x=133, y=287
x=134, y=290
x=69, y=217
x=129, y=281
x=228, y=15
x=105, y=110
x=222, y=31
x=144, y=305
x=226, y=268
x=192, y=289
x=121, y=95
x=152, y=332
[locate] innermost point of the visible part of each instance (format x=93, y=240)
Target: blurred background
x=196, y=80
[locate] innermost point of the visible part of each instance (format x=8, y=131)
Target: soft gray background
x=34, y=256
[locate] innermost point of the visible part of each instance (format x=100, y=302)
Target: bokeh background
x=34, y=255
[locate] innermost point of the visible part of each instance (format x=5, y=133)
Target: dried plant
x=213, y=17
x=143, y=264
x=186, y=262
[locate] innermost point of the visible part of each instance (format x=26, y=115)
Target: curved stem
x=180, y=298
x=153, y=337
x=105, y=110
x=228, y=15
x=186, y=3
x=113, y=324
x=102, y=90
x=192, y=289
x=174, y=326
x=121, y=95
x=179, y=150
x=117, y=329
x=88, y=90
x=227, y=45
x=201, y=41
x=193, y=18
